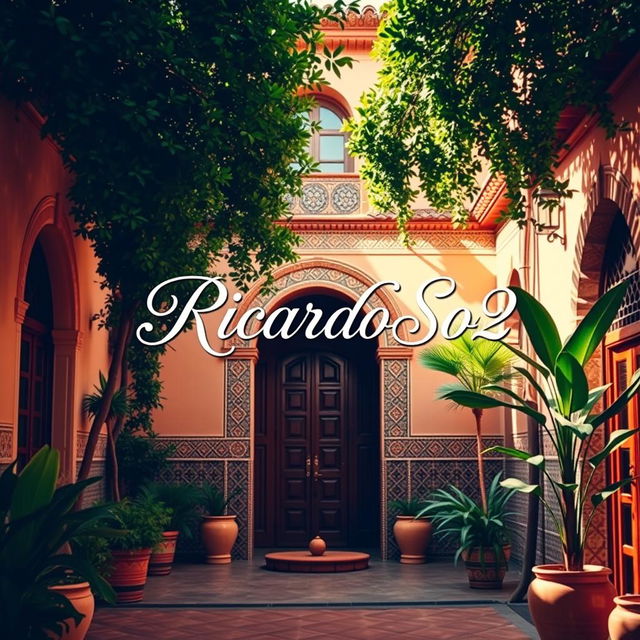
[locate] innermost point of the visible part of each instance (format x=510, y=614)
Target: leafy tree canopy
x=464, y=82
x=183, y=125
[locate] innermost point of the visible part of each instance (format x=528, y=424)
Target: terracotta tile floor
x=348, y=623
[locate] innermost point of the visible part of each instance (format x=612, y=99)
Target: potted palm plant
x=219, y=530
x=481, y=535
x=412, y=532
x=568, y=599
x=142, y=522
x=182, y=499
x=476, y=364
x=45, y=578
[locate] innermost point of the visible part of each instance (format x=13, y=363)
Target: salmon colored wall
x=32, y=170
x=193, y=380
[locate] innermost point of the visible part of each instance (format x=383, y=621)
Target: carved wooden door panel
x=312, y=444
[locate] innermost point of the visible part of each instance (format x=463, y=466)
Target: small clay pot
x=317, y=546
x=80, y=596
x=624, y=620
x=161, y=561
x=571, y=604
x=129, y=574
x=413, y=536
x=219, y=534
x=484, y=570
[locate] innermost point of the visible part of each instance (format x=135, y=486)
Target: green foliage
x=410, y=507
x=142, y=521
x=92, y=401
x=141, y=458
x=213, y=500
x=477, y=364
x=182, y=499
x=180, y=122
x=566, y=414
x=465, y=84
x=454, y=514
x=37, y=525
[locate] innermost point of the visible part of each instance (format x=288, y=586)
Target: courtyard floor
x=243, y=601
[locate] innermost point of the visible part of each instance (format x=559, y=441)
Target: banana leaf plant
x=565, y=412
x=38, y=529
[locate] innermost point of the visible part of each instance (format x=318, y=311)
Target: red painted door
x=625, y=506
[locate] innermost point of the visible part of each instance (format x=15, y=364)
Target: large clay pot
x=571, y=605
x=162, y=556
x=129, y=574
x=219, y=534
x=413, y=536
x=624, y=621
x=83, y=602
x=484, y=570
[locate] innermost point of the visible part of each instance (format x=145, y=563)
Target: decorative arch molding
x=313, y=275
x=51, y=227
x=611, y=191
x=239, y=398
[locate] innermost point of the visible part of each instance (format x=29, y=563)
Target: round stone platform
x=328, y=562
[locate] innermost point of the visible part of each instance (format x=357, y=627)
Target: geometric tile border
x=101, y=446
x=211, y=448
x=439, y=447
x=6, y=442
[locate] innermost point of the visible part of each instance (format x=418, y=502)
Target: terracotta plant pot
x=412, y=537
x=571, y=605
x=161, y=561
x=129, y=574
x=219, y=534
x=82, y=600
x=484, y=570
x=624, y=621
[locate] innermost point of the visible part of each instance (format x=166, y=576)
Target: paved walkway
x=248, y=583
x=350, y=623
x=243, y=601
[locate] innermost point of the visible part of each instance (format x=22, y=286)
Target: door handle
x=307, y=467
x=316, y=468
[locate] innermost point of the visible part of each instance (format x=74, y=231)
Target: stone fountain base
x=328, y=562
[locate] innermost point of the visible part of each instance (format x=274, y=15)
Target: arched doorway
x=317, y=439
x=36, y=360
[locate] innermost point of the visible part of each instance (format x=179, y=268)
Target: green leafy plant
x=182, y=499
x=213, y=500
x=478, y=365
x=38, y=531
x=92, y=402
x=141, y=457
x=557, y=376
x=455, y=515
x=410, y=507
x=467, y=83
x=142, y=521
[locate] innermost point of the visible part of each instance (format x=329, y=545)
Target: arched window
x=328, y=145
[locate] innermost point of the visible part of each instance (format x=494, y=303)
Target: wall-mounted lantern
x=550, y=217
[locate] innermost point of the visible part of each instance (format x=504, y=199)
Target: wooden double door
x=316, y=451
